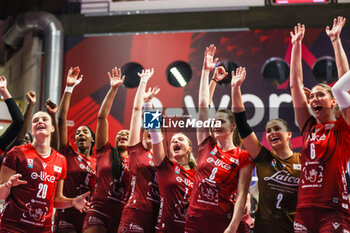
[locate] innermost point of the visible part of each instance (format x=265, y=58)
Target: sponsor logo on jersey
x=336, y=225
x=30, y=163
x=329, y=126
x=80, y=158
x=44, y=165
x=219, y=163
x=43, y=176
x=314, y=137
x=283, y=177
x=57, y=169
x=345, y=206
x=177, y=170
x=150, y=156
x=273, y=163
x=299, y=227
x=297, y=166
x=186, y=181
x=233, y=160
x=214, y=151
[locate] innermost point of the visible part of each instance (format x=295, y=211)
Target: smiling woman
x=42, y=170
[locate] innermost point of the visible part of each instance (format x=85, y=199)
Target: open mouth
x=317, y=108
x=123, y=139
x=40, y=127
x=274, y=139
x=176, y=148
x=217, y=130
x=81, y=140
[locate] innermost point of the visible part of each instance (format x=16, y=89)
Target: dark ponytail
x=116, y=163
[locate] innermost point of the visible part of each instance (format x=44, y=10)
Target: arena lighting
x=130, y=71
x=275, y=70
x=229, y=67
x=179, y=73
x=325, y=70
x=294, y=2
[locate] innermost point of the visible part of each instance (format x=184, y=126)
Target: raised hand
x=31, y=97
x=72, y=77
x=15, y=181
x=80, y=203
x=115, y=79
x=148, y=96
x=3, y=83
x=298, y=34
x=146, y=74
x=209, y=61
x=338, y=24
x=239, y=77
x=51, y=107
x=219, y=74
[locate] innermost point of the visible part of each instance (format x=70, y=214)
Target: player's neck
x=85, y=152
x=284, y=153
x=42, y=147
x=225, y=144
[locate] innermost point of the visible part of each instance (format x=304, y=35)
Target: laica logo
x=43, y=176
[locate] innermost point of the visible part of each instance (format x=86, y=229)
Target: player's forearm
x=63, y=202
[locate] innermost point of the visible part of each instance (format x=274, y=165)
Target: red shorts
x=309, y=220
x=96, y=218
x=68, y=220
x=137, y=221
x=208, y=224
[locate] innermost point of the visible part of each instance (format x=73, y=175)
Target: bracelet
x=215, y=80
x=335, y=39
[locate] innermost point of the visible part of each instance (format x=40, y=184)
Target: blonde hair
x=190, y=157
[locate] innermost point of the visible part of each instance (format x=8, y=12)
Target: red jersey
x=31, y=204
x=110, y=192
x=144, y=186
x=175, y=187
x=81, y=173
x=216, y=179
x=324, y=158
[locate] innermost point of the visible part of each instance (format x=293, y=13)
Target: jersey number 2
x=279, y=199
x=42, y=191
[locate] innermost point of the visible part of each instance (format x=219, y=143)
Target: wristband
x=70, y=89
x=6, y=185
x=242, y=124
x=340, y=91
x=215, y=80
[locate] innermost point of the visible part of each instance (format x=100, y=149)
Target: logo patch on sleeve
x=30, y=163
x=57, y=169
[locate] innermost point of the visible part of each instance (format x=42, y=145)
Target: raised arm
x=244, y=179
x=250, y=141
x=156, y=134
x=115, y=81
x=31, y=98
x=51, y=108
x=203, y=112
x=300, y=103
x=334, y=35
x=341, y=93
x=136, y=117
x=17, y=118
x=72, y=81
x=219, y=74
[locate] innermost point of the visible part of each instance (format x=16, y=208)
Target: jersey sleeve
x=64, y=166
x=13, y=158
x=105, y=148
x=210, y=140
x=308, y=125
x=263, y=155
x=244, y=159
x=134, y=151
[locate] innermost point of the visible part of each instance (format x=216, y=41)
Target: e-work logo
x=151, y=119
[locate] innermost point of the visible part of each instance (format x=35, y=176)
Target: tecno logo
x=43, y=176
